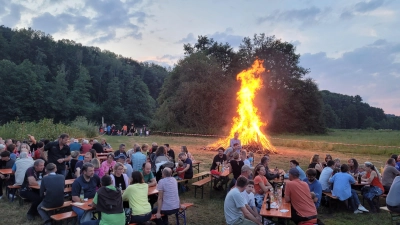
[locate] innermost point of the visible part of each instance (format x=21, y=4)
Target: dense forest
x=44, y=78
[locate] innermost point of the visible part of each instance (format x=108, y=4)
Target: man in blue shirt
x=75, y=146
x=87, y=182
x=342, y=189
x=314, y=186
x=137, y=159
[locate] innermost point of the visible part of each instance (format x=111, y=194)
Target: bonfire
x=248, y=123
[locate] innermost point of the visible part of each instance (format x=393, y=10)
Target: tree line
x=44, y=78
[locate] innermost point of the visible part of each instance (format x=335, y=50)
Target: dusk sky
x=351, y=47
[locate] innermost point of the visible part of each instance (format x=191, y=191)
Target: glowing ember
x=248, y=123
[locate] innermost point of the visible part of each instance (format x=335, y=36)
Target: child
x=251, y=158
x=180, y=168
x=249, y=199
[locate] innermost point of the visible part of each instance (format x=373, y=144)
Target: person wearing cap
x=297, y=193
x=75, y=145
x=122, y=159
x=51, y=191
x=342, y=182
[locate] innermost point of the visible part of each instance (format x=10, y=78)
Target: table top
x=279, y=180
x=67, y=182
x=108, y=150
x=152, y=190
x=84, y=205
x=275, y=212
x=225, y=173
x=196, y=162
x=363, y=183
x=6, y=171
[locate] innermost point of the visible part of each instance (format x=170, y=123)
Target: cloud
x=307, y=16
x=227, y=37
x=361, y=7
x=189, y=38
x=370, y=71
x=14, y=13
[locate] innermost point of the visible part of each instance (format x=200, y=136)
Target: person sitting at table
x=75, y=145
x=136, y=194
x=248, y=195
x=168, y=197
x=121, y=150
x=85, y=146
x=94, y=153
x=104, y=144
x=137, y=159
x=119, y=178
x=88, y=182
x=314, y=163
x=268, y=174
x=325, y=175
x=235, y=166
x=297, y=193
x=148, y=176
x=235, y=210
x=219, y=160
x=51, y=191
x=72, y=164
x=107, y=165
x=96, y=165
x=372, y=177
x=342, y=182
x=185, y=150
x=261, y=185
x=294, y=164
x=328, y=157
x=122, y=159
x=108, y=201
x=229, y=151
x=32, y=175
x=243, y=157
x=97, y=146
x=79, y=164
x=353, y=166
x=20, y=166
x=188, y=171
x=314, y=186
x=389, y=173
x=6, y=163
x=336, y=169
x=393, y=197
x=170, y=153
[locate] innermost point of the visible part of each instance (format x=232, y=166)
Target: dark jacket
x=109, y=201
x=53, y=186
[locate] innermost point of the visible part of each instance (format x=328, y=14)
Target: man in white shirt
x=325, y=175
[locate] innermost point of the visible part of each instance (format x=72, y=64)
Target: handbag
x=128, y=214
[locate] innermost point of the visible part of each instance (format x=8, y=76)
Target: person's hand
x=158, y=215
x=60, y=160
x=180, y=172
x=78, y=169
x=2, y=176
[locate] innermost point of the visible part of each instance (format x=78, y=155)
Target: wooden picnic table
x=6, y=171
x=196, y=164
x=276, y=213
x=108, y=150
x=68, y=183
x=152, y=190
x=84, y=205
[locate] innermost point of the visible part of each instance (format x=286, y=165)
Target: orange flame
x=248, y=123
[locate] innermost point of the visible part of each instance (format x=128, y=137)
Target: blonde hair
x=118, y=165
x=235, y=155
x=96, y=163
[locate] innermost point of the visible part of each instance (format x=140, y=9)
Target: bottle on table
x=283, y=190
x=359, y=178
x=268, y=202
x=82, y=195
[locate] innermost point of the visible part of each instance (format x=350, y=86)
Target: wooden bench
x=14, y=189
x=182, y=212
x=197, y=175
x=331, y=198
x=394, y=216
x=376, y=198
x=153, y=217
x=63, y=216
x=65, y=205
x=200, y=184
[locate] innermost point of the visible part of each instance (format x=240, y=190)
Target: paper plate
x=284, y=210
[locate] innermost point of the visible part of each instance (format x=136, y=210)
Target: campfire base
x=253, y=147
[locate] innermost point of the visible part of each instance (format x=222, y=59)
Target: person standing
x=235, y=209
x=33, y=176
x=59, y=153
x=51, y=191
x=235, y=140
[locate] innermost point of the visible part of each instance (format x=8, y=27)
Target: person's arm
x=249, y=216
x=153, y=182
x=75, y=192
x=287, y=192
x=264, y=188
x=159, y=203
x=125, y=195
x=32, y=181
x=319, y=167
x=251, y=210
x=371, y=177
x=184, y=170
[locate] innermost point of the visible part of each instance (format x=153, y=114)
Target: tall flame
x=248, y=123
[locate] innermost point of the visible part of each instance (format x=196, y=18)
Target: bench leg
x=195, y=190
x=202, y=191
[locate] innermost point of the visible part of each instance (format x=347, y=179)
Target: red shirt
x=376, y=182
x=85, y=148
x=182, y=175
x=300, y=198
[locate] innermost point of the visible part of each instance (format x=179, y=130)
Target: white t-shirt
x=324, y=177
x=248, y=198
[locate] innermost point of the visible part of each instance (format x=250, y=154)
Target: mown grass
x=210, y=211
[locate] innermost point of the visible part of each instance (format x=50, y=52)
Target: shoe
x=30, y=217
x=48, y=222
x=362, y=208
x=357, y=211
x=1, y=196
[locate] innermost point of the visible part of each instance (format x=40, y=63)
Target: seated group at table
x=304, y=189
x=132, y=172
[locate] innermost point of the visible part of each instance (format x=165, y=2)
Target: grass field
x=210, y=211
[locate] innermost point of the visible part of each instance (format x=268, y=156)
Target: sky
x=350, y=47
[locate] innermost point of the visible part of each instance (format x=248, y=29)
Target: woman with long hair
x=315, y=163
x=353, y=165
x=261, y=185
x=136, y=194
x=373, y=178
x=185, y=150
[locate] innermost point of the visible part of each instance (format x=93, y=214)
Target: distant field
x=210, y=211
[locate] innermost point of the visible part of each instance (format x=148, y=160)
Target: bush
x=45, y=128
x=84, y=125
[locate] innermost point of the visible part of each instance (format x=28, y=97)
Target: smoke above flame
x=248, y=123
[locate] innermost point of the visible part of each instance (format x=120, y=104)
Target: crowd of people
x=124, y=130
x=123, y=179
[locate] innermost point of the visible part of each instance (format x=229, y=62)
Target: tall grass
x=46, y=128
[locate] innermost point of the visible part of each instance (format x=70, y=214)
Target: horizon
x=350, y=47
